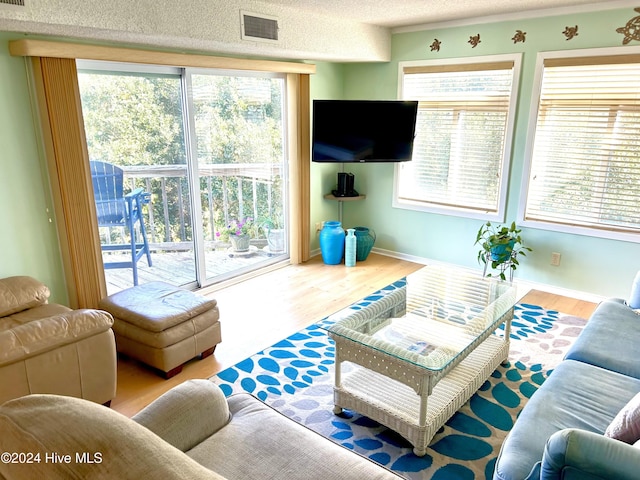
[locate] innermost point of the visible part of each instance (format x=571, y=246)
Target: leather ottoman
x=163, y=326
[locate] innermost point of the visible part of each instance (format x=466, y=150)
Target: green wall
x=28, y=238
x=326, y=83
x=597, y=266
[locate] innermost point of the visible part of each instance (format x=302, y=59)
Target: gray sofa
x=190, y=432
x=560, y=431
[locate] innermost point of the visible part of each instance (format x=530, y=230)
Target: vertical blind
x=585, y=165
x=463, y=114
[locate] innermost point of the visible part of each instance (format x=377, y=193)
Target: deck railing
x=223, y=189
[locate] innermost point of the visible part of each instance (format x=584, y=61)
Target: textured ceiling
x=399, y=13
x=315, y=30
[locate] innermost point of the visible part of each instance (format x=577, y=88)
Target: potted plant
x=239, y=233
x=501, y=245
x=273, y=227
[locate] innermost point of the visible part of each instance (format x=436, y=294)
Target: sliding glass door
x=237, y=143
x=207, y=149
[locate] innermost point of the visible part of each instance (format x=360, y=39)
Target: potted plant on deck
x=239, y=233
x=273, y=228
x=500, y=247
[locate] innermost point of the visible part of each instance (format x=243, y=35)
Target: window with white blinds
x=585, y=155
x=463, y=136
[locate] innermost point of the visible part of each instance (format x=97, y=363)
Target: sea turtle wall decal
x=631, y=30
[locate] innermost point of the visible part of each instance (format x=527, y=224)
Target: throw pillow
x=626, y=424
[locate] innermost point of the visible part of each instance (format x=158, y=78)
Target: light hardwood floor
x=260, y=311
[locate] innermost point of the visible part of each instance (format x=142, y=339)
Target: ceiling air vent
x=12, y=3
x=258, y=27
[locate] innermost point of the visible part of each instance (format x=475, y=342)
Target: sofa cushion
x=20, y=293
x=187, y=414
x=280, y=446
x=119, y=447
x=610, y=339
x=573, y=454
x=31, y=314
x=576, y=395
x=626, y=424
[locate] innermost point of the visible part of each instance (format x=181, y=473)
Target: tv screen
x=363, y=130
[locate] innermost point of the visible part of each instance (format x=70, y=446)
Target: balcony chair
x=114, y=209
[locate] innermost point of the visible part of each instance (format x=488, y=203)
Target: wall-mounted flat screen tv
x=363, y=130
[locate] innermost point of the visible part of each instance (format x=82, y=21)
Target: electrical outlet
x=319, y=226
x=555, y=259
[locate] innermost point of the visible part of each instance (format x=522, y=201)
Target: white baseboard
x=523, y=286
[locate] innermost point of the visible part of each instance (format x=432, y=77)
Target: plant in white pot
x=239, y=233
x=500, y=247
x=273, y=228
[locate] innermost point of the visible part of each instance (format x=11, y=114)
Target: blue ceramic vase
x=332, y=242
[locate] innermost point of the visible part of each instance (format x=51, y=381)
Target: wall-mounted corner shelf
x=341, y=200
x=331, y=196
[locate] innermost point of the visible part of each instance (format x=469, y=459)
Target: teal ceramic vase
x=365, y=237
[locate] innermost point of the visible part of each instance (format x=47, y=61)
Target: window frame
x=597, y=232
x=502, y=190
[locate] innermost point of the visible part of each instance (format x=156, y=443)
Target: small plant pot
x=240, y=243
x=275, y=239
x=502, y=253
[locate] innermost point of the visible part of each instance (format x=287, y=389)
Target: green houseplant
x=501, y=245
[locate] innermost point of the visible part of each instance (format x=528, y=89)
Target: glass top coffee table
x=417, y=354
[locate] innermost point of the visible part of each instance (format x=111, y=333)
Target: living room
x=592, y=267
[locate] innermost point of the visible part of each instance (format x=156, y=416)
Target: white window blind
x=585, y=164
x=462, y=143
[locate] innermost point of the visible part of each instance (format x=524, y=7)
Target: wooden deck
x=177, y=267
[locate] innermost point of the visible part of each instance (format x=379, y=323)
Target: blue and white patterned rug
x=295, y=376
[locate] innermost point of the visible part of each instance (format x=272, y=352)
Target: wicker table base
x=420, y=352
x=397, y=406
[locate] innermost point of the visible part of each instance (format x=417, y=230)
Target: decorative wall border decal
x=435, y=46
x=570, y=32
x=631, y=30
x=520, y=36
x=474, y=40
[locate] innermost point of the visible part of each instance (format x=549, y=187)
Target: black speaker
x=346, y=182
